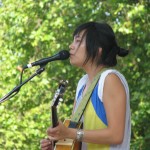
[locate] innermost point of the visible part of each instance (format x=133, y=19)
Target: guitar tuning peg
x=60, y=100
x=63, y=82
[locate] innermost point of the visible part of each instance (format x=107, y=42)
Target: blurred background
x=34, y=29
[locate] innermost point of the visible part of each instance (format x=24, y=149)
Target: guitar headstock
x=59, y=92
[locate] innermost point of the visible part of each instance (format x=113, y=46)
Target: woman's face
x=78, y=50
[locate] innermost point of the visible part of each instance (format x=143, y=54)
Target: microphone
x=62, y=55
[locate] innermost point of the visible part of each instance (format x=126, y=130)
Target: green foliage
x=33, y=29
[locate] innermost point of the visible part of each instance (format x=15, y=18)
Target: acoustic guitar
x=65, y=144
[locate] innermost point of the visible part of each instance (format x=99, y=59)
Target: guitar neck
x=54, y=116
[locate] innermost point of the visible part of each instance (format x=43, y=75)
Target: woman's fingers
x=46, y=144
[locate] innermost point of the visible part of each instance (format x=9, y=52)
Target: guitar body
x=67, y=144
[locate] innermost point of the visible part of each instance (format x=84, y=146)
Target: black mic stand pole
x=17, y=88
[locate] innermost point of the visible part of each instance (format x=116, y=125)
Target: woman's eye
x=78, y=40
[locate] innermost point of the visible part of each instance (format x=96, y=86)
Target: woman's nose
x=71, y=46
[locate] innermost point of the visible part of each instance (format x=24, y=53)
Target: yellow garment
x=92, y=122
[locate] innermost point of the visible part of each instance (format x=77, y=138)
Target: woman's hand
x=46, y=144
x=58, y=133
x=54, y=134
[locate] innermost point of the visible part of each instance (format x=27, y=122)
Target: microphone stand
x=17, y=88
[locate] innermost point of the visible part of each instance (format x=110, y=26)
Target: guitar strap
x=80, y=110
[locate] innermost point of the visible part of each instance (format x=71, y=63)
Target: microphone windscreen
x=64, y=54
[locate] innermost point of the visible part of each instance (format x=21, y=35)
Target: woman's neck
x=92, y=71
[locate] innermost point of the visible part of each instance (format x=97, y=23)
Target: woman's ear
x=99, y=51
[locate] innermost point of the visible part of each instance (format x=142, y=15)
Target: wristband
x=79, y=135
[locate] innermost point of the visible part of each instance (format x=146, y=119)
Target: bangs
x=83, y=27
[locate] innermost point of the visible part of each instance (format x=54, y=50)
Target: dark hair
x=100, y=35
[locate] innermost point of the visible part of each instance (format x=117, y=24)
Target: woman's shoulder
x=112, y=73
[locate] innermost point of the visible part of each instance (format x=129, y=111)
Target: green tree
x=34, y=29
